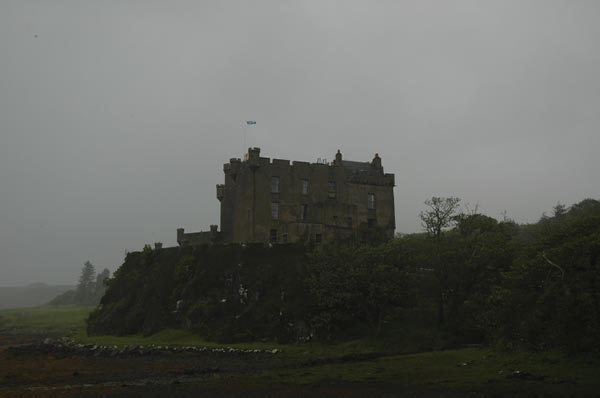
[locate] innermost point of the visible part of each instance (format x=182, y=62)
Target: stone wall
x=198, y=238
x=336, y=201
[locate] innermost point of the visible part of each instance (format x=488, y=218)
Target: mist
x=116, y=117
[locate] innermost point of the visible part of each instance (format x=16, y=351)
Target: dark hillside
x=477, y=280
x=222, y=292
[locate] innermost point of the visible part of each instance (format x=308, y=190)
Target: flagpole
x=245, y=129
x=248, y=123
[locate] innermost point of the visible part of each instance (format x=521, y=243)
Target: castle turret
x=235, y=164
x=338, y=159
x=253, y=158
x=376, y=163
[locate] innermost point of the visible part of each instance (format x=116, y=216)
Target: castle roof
x=357, y=167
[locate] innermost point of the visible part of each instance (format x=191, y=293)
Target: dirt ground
x=28, y=368
x=29, y=372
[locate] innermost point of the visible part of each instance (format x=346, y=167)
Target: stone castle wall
x=335, y=203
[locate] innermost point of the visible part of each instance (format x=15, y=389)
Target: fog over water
x=116, y=117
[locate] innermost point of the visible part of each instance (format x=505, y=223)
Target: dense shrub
x=481, y=280
x=223, y=292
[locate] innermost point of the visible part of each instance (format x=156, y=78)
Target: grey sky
x=116, y=116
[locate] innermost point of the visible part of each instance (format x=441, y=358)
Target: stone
x=296, y=201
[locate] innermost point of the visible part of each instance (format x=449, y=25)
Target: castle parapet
x=365, y=178
x=235, y=164
x=253, y=158
x=198, y=238
x=281, y=162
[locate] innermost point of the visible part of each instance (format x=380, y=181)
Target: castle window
x=275, y=210
x=331, y=189
x=335, y=220
x=304, y=187
x=371, y=222
x=349, y=222
x=273, y=236
x=371, y=201
x=274, y=184
x=303, y=212
x=285, y=238
x=318, y=239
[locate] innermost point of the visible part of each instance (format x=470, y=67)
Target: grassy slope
x=464, y=370
x=70, y=321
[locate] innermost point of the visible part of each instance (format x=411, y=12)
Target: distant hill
x=30, y=295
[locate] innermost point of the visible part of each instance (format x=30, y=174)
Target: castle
x=273, y=201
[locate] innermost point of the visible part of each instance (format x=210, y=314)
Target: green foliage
x=89, y=291
x=369, y=235
x=63, y=320
x=550, y=296
x=225, y=293
x=65, y=298
x=354, y=286
x=85, y=288
x=440, y=214
x=480, y=281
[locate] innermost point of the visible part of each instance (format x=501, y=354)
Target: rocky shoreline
x=65, y=346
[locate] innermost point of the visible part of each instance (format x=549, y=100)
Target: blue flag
x=250, y=122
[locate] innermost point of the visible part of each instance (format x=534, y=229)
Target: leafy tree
x=468, y=278
x=100, y=284
x=549, y=297
x=90, y=289
x=587, y=207
x=65, y=298
x=85, y=288
x=353, y=286
x=559, y=210
x=440, y=214
x=478, y=254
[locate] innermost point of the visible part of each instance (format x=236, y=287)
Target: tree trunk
x=593, y=284
x=441, y=317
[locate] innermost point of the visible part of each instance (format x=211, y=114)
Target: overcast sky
x=116, y=116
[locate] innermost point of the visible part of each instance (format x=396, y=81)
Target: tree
x=89, y=290
x=559, y=210
x=99, y=286
x=85, y=288
x=352, y=287
x=441, y=214
x=547, y=293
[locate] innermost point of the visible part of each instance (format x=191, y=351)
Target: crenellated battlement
x=366, y=173
x=277, y=200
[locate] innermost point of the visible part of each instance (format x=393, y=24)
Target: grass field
x=481, y=369
x=60, y=320
x=70, y=321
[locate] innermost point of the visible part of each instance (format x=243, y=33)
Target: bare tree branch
x=562, y=271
